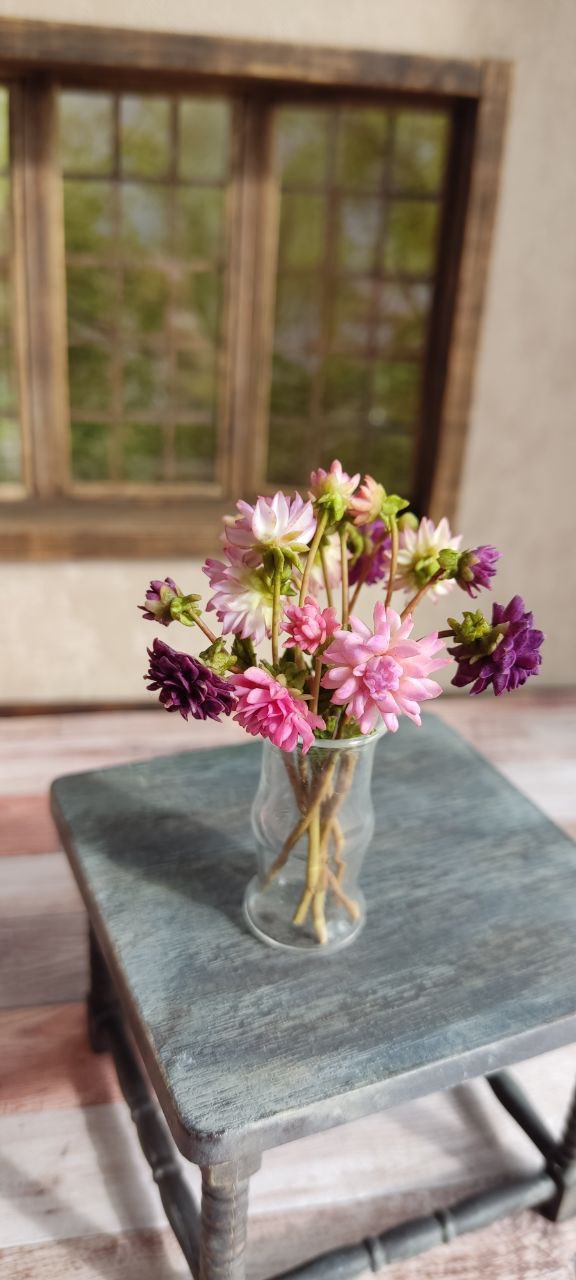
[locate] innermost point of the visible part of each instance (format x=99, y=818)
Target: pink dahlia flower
x=334, y=481
x=272, y=522
x=382, y=673
x=242, y=597
x=308, y=625
x=268, y=709
x=366, y=504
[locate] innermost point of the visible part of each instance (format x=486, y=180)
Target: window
x=211, y=281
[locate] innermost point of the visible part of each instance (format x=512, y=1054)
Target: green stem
x=327, y=586
x=310, y=558
x=344, y=570
x=278, y=564
x=393, y=559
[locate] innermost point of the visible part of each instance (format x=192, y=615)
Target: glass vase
x=313, y=820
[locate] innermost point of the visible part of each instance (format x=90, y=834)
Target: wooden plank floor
x=76, y=1198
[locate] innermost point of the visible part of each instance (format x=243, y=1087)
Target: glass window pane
x=395, y=394
x=291, y=387
x=4, y=129
x=89, y=379
x=88, y=218
x=143, y=454
x=345, y=389
x=90, y=445
x=91, y=303
x=288, y=448
x=360, y=220
x=194, y=453
x=86, y=132
x=145, y=141
x=204, y=128
x=404, y=311
x=145, y=382
x=297, y=314
x=145, y=301
x=362, y=148
x=195, y=383
x=412, y=235
x=10, y=452
x=389, y=456
x=197, y=308
x=420, y=151
x=302, y=231
x=199, y=215
x=301, y=142
x=352, y=313
x=145, y=218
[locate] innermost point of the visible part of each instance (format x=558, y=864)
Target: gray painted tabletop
x=466, y=961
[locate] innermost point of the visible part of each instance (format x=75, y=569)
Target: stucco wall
x=71, y=631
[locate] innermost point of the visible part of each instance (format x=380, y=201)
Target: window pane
x=362, y=148
x=301, y=138
x=351, y=326
x=86, y=132
x=10, y=452
x=302, y=231
x=420, y=146
x=146, y=275
x=204, y=128
x=90, y=446
x=145, y=137
x=412, y=235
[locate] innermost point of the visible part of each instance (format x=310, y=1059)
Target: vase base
x=268, y=913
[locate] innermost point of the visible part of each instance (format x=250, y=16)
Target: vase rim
x=359, y=741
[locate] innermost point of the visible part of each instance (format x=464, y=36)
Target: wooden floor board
x=76, y=1198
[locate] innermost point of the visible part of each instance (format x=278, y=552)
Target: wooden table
x=466, y=964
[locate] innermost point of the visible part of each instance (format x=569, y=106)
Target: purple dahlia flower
x=373, y=565
x=476, y=568
x=159, y=597
x=186, y=685
x=505, y=656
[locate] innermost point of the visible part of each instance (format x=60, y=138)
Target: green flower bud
x=449, y=561
x=472, y=628
x=391, y=505
x=218, y=658
x=185, y=609
x=408, y=521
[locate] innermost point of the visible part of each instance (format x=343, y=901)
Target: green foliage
x=244, y=653
x=472, y=627
x=217, y=657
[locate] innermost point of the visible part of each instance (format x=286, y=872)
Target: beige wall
x=71, y=631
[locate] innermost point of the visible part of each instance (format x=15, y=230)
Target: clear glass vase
x=313, y=820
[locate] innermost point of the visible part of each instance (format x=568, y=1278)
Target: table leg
x=564, y=1171
x=101, y=1001
x=225, y=1190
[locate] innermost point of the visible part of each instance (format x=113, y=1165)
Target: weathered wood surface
x=311, y=1195
x=460, y=969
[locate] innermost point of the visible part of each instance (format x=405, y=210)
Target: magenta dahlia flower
x=268, y=709
x=159, y=597
x=186, y=685
x=476, y=568
x=374, y=564
x=382, y=673
x=308, y=625
x=505, y=657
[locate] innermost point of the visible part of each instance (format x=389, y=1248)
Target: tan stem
x=206, y=629
x=316, y=685
x=327, y=587
x=410, y=607
x=351, y=907
x=344, y=572
x=359, y=585
x=393, y=559
x=317, y=797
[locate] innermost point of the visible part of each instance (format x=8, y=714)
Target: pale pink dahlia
x=268, y=709
x=382, y=673
x=277, y=521
x=418, y=556
x=242, y=596
x=334, y=481
x=366, y=504
x=308, y=625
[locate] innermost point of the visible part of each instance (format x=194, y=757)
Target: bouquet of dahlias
x=293, y=662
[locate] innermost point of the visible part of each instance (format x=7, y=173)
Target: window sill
x=66, y=529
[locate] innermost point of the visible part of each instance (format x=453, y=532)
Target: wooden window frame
x=52, y=525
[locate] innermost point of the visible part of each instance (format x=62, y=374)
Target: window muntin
x=11, y=436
